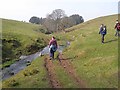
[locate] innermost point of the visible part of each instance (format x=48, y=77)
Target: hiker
x=52, y=47
x=117, y=28
x=103, y=32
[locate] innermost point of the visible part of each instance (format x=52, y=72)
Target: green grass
x=64, y=78
x=34, y=76
x=95, y=62
x=20, y=38
x=25, y=32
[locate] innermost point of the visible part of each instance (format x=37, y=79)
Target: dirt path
x=68, y=67
x=51, y=74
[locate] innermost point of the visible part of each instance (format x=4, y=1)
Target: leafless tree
x=58, y=20
x=53, y=20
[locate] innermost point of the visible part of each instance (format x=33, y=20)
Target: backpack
x=53, y=47
x=118, y=26
x=104, y=31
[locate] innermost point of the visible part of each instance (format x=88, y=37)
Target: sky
x=23, y=10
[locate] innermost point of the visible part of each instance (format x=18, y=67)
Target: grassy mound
x=20, y=38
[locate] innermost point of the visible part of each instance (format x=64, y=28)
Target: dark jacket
x=103, y=31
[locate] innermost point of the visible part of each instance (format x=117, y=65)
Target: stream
x=23, y=62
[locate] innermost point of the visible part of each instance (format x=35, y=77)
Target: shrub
x=32, y=72
x=12, y=83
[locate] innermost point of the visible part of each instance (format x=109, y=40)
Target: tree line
x=57, y=20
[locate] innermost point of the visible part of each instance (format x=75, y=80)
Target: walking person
x=103, y=32
x=117, y=28
x=52, y=47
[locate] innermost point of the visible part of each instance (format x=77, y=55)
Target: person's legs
x=102, y=38
x=119, y=33
x=116, y=34
x=51, y=54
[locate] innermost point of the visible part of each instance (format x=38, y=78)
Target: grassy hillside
x=20, y=38
x=96, y=64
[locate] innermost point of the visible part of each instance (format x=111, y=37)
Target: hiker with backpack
x=103, y=32
x=52, y=47
x=117, y=27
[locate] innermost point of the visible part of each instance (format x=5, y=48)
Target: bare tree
x=58, y=20
x=53, y=20
x=57, y=14
x=49, y=25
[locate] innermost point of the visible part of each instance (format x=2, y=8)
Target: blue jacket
x=103, y=31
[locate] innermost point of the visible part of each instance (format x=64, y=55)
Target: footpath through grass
x=95, y=62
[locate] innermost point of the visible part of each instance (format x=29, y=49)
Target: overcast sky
x=23, y=10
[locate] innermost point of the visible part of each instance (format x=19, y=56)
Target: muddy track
x=54, y=82
x=68, y=67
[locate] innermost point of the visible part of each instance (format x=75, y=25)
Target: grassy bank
x=20, y=38
x=95, y=62
x=31, y=77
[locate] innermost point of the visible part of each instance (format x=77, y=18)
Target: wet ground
x=24, y=62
